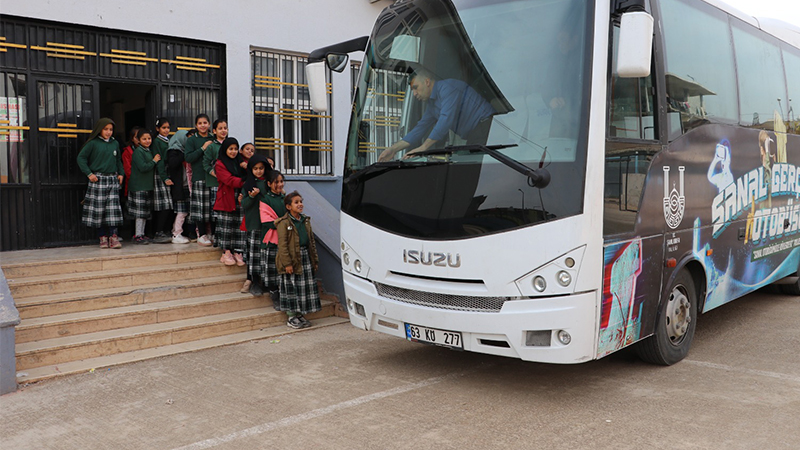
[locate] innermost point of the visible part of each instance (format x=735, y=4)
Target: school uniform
x=252, y=225
x=226, y=208
x=101, y=205
x=296, y=247
x=269, y=250
x=200, y=203
x=162, y=197
x=176, y=171
x=140, y=188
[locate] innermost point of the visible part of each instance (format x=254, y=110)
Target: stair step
x=71, y=348
x=95, y=364
x=76, y=282
x=72, y=302
x=16, y=265
x=51, y=327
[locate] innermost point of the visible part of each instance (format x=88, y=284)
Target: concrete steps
x=90, y=365
x=85, y=308
x=131, y=338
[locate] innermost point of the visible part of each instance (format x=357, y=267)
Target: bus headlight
x=346, y=259
x=357, y=265
x=558, y=276
x=564, y=278
x=564, y=337
x=539, y=284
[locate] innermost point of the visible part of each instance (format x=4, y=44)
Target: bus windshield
x=460, y=76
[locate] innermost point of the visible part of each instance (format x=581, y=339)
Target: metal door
x=66, y=116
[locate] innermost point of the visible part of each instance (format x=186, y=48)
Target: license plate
x=444, y=338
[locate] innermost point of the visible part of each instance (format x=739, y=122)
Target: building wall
x=297, y=26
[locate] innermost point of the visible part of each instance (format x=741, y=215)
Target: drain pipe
x=9, y=319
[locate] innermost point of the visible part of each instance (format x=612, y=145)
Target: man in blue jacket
x=452, y=105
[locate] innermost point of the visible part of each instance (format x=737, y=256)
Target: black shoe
x=162, y=238
x=304, y=321
x=255, y=289
x=276, y=299
x=294, y=322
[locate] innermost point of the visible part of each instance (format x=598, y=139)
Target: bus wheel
x=792, y=288
x=676, y=323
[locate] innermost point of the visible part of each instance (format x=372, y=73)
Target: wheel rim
x=679, y=314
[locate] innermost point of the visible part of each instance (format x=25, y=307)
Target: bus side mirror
x=317, y=86
x=337, y=61
x=635, y=45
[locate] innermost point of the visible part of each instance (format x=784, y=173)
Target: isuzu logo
x=431, y=258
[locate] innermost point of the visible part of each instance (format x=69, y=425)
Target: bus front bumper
x=518, y=330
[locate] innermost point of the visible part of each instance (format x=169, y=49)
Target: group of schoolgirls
x=282, y=253
x=203, y=172
x=148, y=187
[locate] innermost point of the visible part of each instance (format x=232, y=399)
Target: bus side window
x=632, y=121
x=632, y=104
x=700, y=76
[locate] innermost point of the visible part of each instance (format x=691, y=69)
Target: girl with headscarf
x=162, y=184
x=101, y=161
x=254, y=189
x=230, y=176
x=179, y=172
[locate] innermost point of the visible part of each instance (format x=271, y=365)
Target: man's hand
x=387, y=155
x=425, y=146
x=412, y=153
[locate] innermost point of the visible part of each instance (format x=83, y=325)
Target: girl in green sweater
x=140, y=188
x=101, y=161
x=201, y=200
x=255, y=187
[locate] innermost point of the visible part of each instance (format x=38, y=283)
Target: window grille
x=286, y=128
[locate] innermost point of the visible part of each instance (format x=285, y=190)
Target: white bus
x=554, y=180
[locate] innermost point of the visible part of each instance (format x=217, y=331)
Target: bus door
x=633, y=237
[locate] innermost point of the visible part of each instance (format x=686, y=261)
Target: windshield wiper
x=536, y=177
x=381, y=167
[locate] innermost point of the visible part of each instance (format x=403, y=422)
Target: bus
x=555, y=180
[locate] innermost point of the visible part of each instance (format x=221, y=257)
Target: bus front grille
x=442, y=301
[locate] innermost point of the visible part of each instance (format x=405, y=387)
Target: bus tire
x=791, y=289
x=677, y=320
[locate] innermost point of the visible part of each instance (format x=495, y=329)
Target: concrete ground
x=342, y=388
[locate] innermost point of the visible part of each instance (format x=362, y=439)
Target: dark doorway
x=128, y=105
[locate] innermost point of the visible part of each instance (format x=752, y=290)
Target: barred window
x=286, y=129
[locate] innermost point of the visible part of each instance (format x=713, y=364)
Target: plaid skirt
x=162, y=196
x=299, y=292
x=182, y=206
x=269, y=271
x=255, y=270
x=101, y=203
x=199, y=210
x=212, y=199
x=140, y=204
x=228, y=234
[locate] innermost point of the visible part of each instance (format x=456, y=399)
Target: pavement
x=339, y=387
